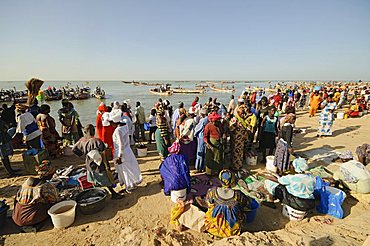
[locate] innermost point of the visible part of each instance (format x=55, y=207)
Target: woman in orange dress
x=315, y=100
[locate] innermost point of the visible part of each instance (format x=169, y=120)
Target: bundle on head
x=33, y=85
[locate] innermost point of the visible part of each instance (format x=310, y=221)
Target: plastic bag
x=331, y=203
x=319, y=185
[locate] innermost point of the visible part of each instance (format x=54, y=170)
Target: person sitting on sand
x=226, y=208
x=98, y=170
x=295, y=190
x=175, y=170
x=35, y=197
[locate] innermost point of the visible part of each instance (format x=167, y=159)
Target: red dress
x=99, y=126
x=107, y=135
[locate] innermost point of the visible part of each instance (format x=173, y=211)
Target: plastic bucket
x=142, y=152
x=251, y=215
x=178, y=194
x=293, y=214
x=63, y=213
x=270, y=163
x=360, y=114
x=340, y=115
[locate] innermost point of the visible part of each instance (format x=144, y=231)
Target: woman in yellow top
x=315, y=100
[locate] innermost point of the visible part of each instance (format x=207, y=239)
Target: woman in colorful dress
x=214, y=149
x=226, y=208
x=238, y=137
x=327, y=117
x=108, y=129
x=49, y=135
x=162, y=137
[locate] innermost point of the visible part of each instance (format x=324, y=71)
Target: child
x=152, y=124
x=269, y=131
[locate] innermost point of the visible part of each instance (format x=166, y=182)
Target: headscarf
x=116, y=105
x=214, y=116
x=174, y=148
x=227, y=178
x=45, y=169
x=300, y=165
x=102, y=108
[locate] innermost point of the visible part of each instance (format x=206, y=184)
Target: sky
x=185, y=40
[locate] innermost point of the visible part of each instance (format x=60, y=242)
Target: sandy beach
x=142, y=218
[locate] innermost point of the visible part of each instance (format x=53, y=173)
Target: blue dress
x=201, y=147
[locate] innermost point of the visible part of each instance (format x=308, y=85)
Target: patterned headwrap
x=226, y=177
x=175, y=148
x=45, y=169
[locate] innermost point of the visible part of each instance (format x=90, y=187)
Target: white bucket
x=251, y=160
x=270, y=163
x=360, y=114
x=67, y=150
x=63, y=213
x=142, y=152
x=364, y=112
x=178, y=194
x=293, y=214
x=340, y=116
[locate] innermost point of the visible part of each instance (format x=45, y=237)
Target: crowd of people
x=212, y=137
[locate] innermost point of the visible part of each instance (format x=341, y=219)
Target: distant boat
x=187, y=91
x=227, y=90
x=138, y=83
x=161, y=93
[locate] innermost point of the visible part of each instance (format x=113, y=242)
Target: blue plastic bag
x=319, y=185
x=331, y=203
x=146, y=126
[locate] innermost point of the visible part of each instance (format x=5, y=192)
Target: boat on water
x=138, y=83
x=223, y=89
x=159, y=92
x=98, y=93
x=77, y=93
x=187, y=91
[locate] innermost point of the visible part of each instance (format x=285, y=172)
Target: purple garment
x=175, y=173
x=189, y=150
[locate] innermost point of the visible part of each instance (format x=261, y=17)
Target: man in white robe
x=127, y=167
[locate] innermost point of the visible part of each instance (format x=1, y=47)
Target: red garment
x=211, y=131
x=253, y=98
x=277, y=100
x=194, y=103
x=99, y=125
x=107, y=135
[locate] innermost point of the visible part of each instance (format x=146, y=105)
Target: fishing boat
x=187, y=91
x=98, y=93
x=227, y=90
x=156, y=91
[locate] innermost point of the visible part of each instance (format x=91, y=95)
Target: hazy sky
x=184, y=39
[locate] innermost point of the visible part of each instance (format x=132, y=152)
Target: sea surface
x=118, y=91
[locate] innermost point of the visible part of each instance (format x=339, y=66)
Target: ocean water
x=118, y=91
